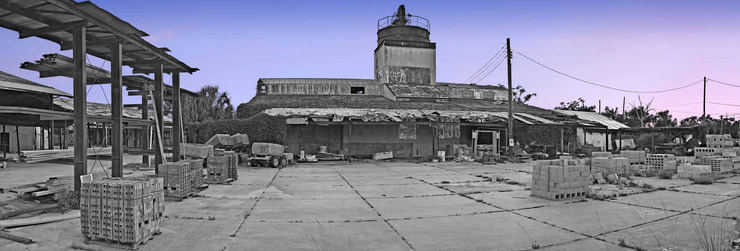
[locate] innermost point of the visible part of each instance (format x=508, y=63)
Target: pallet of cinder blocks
x=177, y=178
x=121, y=213
x=609, y=165
x=635, y=157
x=720, y=165
x=719, y=141
x=690, y=171
x=196, y=170
x=217, y=168
x=706, y=151
x=560, y=179
x=661, y=162
x=233, y=161
x=601, y=154
x=196, y=150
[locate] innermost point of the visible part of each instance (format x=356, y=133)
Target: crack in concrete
x=255, y=204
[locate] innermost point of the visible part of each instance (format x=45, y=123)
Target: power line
x=717, y=103
x=486, y=65
x=491, y=71
x=724, y=83
x=601, y=85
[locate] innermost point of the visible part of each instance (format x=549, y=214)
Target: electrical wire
x=601, y=85
x=486, y=65
x=491, y=71
x=725, y=104
x=724, y=83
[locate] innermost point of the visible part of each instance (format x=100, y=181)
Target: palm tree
x=211, y=105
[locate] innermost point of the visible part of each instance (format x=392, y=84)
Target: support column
x=158, y=111
x=51, y=135
x=5, y=154
x=349, y=145
x=620, y=140
x=116, y=110
x=145, y=130
x=562, y=141
x=18, y=140
x=606, y=140
x=80, y=104
x=176, y=118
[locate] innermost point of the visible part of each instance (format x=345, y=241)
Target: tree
x=639, y=115
x=612, y=113
x=690, y=121
x=576, y=105
x=518, y=94
x=664, y=119
x=210, y=105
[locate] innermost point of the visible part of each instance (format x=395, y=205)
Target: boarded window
x=357, y=90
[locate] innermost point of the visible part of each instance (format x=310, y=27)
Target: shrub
x=259, y=128
x=666, y=175
x=703, y=180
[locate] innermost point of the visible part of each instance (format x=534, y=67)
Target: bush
x=666, y=175
x=259, y=128
x=703, y=180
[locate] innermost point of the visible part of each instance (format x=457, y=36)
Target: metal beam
x=80, y=105
x=96, y=43
x=176, y=118
x=51, y=29
x=116, y=109
x=158, y=111
x=145, y=130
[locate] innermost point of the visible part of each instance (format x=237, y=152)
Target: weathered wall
x=26, y=138
x=309, y=138
x=400, y=64
x=322, y=89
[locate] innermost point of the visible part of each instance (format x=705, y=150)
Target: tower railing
x=411, y=20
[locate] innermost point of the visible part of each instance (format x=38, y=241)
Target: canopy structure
x=85, y=28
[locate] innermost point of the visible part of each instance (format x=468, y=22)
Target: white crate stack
x=560, y=179
x=661, y=162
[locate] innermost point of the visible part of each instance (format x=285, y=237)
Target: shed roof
x=595, y=117
x=103, y=110
x=54, y=20
x=14, y=83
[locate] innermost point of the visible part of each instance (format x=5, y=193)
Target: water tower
x=404, y=54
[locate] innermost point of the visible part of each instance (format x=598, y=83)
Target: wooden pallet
x=120, y=245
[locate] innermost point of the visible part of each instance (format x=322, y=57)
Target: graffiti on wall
x=408, y=75
x=407, y=131
x=448, y=131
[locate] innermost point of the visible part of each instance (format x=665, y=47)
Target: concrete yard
x=415, y=206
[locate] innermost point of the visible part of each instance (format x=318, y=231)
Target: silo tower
x=404, y=54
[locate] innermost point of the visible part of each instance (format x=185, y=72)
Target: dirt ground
x=409, y=206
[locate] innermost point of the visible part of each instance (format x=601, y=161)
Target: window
x=357, y=90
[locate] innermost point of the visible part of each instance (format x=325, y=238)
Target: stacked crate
x=719, y=141
x=560, y=179
x=661, y=162
x=196, y=170
x=689, y=171
x=609, y=165
x=177, y=179
x=233, y=164
x=706, y=151
x=121, y=211
x=635, y=157
x=218, y=170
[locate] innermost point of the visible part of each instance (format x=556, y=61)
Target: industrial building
x=403, y=109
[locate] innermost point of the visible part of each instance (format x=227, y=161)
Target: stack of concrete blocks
x=719, y=165
x=690, y=171
x=563, y=179
x=609, y=165
x=217, y=168
x=661, y=162
x=177, y=177
x=707, y=151
x=121, y=211
x=720, y=141
x=233, y=165
x=634, y=157
x=201, y=151
x=196, y=170
x=600, y=154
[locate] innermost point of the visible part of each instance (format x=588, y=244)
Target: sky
x=632, y=45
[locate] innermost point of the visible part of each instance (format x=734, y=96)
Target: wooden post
x=5, y=155
x=606, y=142
x=116, y=110
x=349, y=142
x=51, y=135
x=704, y=107
x=145, y=130
x=158, y=104
x=176, y=118
x=510, y=133
x=562, y=141
x=620, y=140
x=18, y=140
x=652, y=141
x=80, y=104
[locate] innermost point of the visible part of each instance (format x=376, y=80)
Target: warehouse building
x=403, y=109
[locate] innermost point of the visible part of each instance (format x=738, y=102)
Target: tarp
x=228, y=141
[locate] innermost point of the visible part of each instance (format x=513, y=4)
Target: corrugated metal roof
x=595, y=117
x=340, y=81
x=98, y=109
x=15, y=83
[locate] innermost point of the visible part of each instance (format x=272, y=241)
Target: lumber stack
x=177, y=179
x=46, y=155
x=121, y=211
x=560, y=179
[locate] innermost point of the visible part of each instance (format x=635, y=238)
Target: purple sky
x=635, y=45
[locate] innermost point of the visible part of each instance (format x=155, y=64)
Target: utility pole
x=624, y=114
x=704, y=108
x=510, y=134
x=599, y=105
